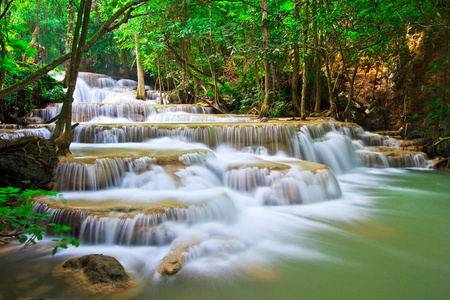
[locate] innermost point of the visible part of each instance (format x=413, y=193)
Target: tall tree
x=306, y=59
x=268, y=93
x=62, y=135
x=296, y=63
x=69, y=41
x=140, y=93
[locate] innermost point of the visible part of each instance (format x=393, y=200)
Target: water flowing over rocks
x=200, y=191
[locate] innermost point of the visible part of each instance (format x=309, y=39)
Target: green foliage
x=249, y=102
x=415, y=116
x=18, y=218
x=435, y=107
x=278, y=108
x=45, y=90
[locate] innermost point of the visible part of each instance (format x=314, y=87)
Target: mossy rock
x=96, y=275
x=98, y=268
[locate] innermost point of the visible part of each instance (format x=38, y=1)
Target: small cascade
x=126, y=82
x=48, y=113
x=72, y=218
x=104, y=173
x=301, y=188
x=276, y=137
x=197, y=158
x=324, y=144
x=94, y=80
x=392, y=158
x=189, y=118
x=85, y=112
x=15, y=133
x=284, y=182
x=146, y=229
x=158, y=97
x=191, y=109
x=248, y=179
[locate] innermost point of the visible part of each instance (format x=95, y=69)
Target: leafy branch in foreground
x=19, y=220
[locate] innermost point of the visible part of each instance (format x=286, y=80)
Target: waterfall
x=149, y=174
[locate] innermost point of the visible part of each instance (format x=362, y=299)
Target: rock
x=174, y=260
x=98, y=268
x=27, y=159
x=96, y=274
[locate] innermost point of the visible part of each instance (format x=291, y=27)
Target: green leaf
x=22, y=239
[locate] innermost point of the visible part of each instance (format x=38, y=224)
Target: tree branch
x=180, y=59
x=8, y=5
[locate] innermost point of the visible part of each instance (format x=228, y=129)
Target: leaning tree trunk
x=267, y=70
x=140, y=93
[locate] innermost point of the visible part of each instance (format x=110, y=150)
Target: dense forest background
x=380, y=63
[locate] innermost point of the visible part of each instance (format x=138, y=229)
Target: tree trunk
x=62, y=135
x=35, y=36
x=267, y=70
x=295, y=78
x=318, y=63
x=3, y=53
x=140, y=93
x=444, y=79
x=332, y=100
x=160, y=82
x=352, y=86
x=295, y=66
x=306, y=78
x=69, y=42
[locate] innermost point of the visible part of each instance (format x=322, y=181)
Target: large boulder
x=95, y=275
x=30, y=159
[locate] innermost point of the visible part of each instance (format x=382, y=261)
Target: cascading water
x=145, y=178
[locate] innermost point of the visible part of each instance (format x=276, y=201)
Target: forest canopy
x=268, y=57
